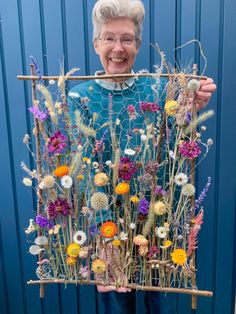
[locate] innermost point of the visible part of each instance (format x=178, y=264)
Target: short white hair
x=104, y=10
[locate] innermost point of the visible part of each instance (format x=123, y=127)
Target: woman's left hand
x=203, y=95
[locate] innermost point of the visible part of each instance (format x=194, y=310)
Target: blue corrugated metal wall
x=52, y=29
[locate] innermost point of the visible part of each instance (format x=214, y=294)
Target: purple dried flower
x=126, y=168
x=149, y=106
x=202, y=195
x=188, y=117
x=38, y=114
x=93, y=230
x=152, y=168
x=189, y=149
x=146, y=181
x=60, y=206
x=153, y=251
x=57, y=142
x=159, y=191
x=36, y=67
x=84, y=271
x=143, y=206
x=42, y=221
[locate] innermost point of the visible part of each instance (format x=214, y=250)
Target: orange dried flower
x=71, y=261
x=122, y=188
x=61, y=171
x=108, y=229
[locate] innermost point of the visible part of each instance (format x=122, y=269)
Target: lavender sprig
x=202, y=194
x=36, y=67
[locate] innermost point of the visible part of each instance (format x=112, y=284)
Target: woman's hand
x=203, y=95
x=101, y=288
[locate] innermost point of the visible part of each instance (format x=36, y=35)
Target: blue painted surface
x=53, y=30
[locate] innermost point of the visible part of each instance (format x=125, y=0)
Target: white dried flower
x=79, y=237
x=51, y=82
x=31, y=228
x=203, y=128
x=123, y=236
x=121, y=220
x=108, y=163
x=161, y=232
x=80, y=148
x=188, y=190
x=130, y=152
x=27, y=182
x=117, y=121
x=35, y=250
x=41, y=240
x=66, y=182
x=143, y=137
x=171, y=154
x=26, y=139
x=193, y=85
x=48, y=182
x=99, y=201
x=141, y=131
x=74, y=95
x=132, y=225
x=210, y=141
x=95, y=164
x=180, y=179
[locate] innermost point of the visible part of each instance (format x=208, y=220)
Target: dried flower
x=152, y=168
x=66, y=182
x=149, y=107
x=57, y=142
x=122, y=188
x=153, y=251
x=143, y=250
x=93, y=230
x=71, y=261
x=61, y=171
x=84, y=272
x=179, y=256
x=134, y=199
x=101, y=179
x=131, y=112
x=73, y=250
x=159, y=208
x=161, y=232
x=38, y=114
x=80, y=177
x=60, y=206
x=84, y=252
x=181, y=179
x=193, y=85
x=146, y=181
x=95, y=164
x=171, y=107
x=202, y=194
x=79, y=237
x=123, y=236
x=31, y=228
x=108, y=229
x=48, y=182
x=140, y=240
x=126, y=168
x=143, y=206
x=159, y=191
x=43, y=222
x=116, y=243
x=188, y=190
x=98, y=266
x=27, y=182
x=167, y=244
x=132, y=225
x=189, y=149
x=130, y=152
x=143, y=137
x=99, y=201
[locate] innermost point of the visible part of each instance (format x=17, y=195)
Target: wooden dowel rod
x=204, y=293
x=93, y=77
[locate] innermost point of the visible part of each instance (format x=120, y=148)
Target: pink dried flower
x=126, y=168
x=192, y=238
x=57, y=142
x=149, y=106
x=60, y=206
x=131, y=112
x=189, y=149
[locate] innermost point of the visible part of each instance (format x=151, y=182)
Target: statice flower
x=146, y=181
x=143, y=206
x=43, y=222
x=131, y=112
x=126, y=168
x=60, y=206
x=149, y=106
x=38, y=114
x=36, y=67
x=93, y=230
x=203, y=194
x=189, y=149
x=57, y=142
x=100, y=144
x=152, y=168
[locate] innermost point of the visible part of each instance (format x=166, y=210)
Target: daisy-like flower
x=66, y=182
x=73, y=250
x=80, y=177
x=159, y=208
x=60, y=206
x=108, y=163
x=122, y=188
x=27, y=182
x=108, y=229
x=123, y=236
x=61, y=171
x=116, y=243
x=99, y=201
x=98, y=266
x=189, y=149
x=71, y=261
x=132, y=225
x=134, y=199
x=181, y=179
x=101, y=179
x=161, y=232
x=95, y=164
x=188, y=190
x=171, y=107
x=57, y=143
x=140, y=240
x=166, y=244
x=130, y=152
x=179, y=256
x=79, y=237
x=126, y=168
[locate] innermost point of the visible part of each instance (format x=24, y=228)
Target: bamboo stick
x=193, y=292
x=99, y=77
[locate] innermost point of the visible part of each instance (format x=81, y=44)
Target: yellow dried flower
x=122, y=188
x=101, y=179
x=134, y=199
x=171, y=107
x=85, y=159
x=167, y=244
x=159, y=208
x=179, y=256
x=73, y=250
x=71, y=261
x=80, y=177
x=116, y=242
x=98, y=266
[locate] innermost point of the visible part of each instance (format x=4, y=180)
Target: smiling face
x=117, y=58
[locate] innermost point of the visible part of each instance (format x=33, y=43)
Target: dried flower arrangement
x=118, y=206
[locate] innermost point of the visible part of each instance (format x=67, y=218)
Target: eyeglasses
x=111, y=39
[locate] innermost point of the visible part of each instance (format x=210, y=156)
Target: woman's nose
x=118, y=45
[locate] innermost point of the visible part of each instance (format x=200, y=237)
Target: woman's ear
x=96, y=46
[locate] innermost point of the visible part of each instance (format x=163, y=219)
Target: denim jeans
x=124, y=303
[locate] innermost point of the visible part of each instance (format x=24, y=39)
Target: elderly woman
x=117, y=37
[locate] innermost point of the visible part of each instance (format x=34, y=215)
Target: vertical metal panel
x=51, y=30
